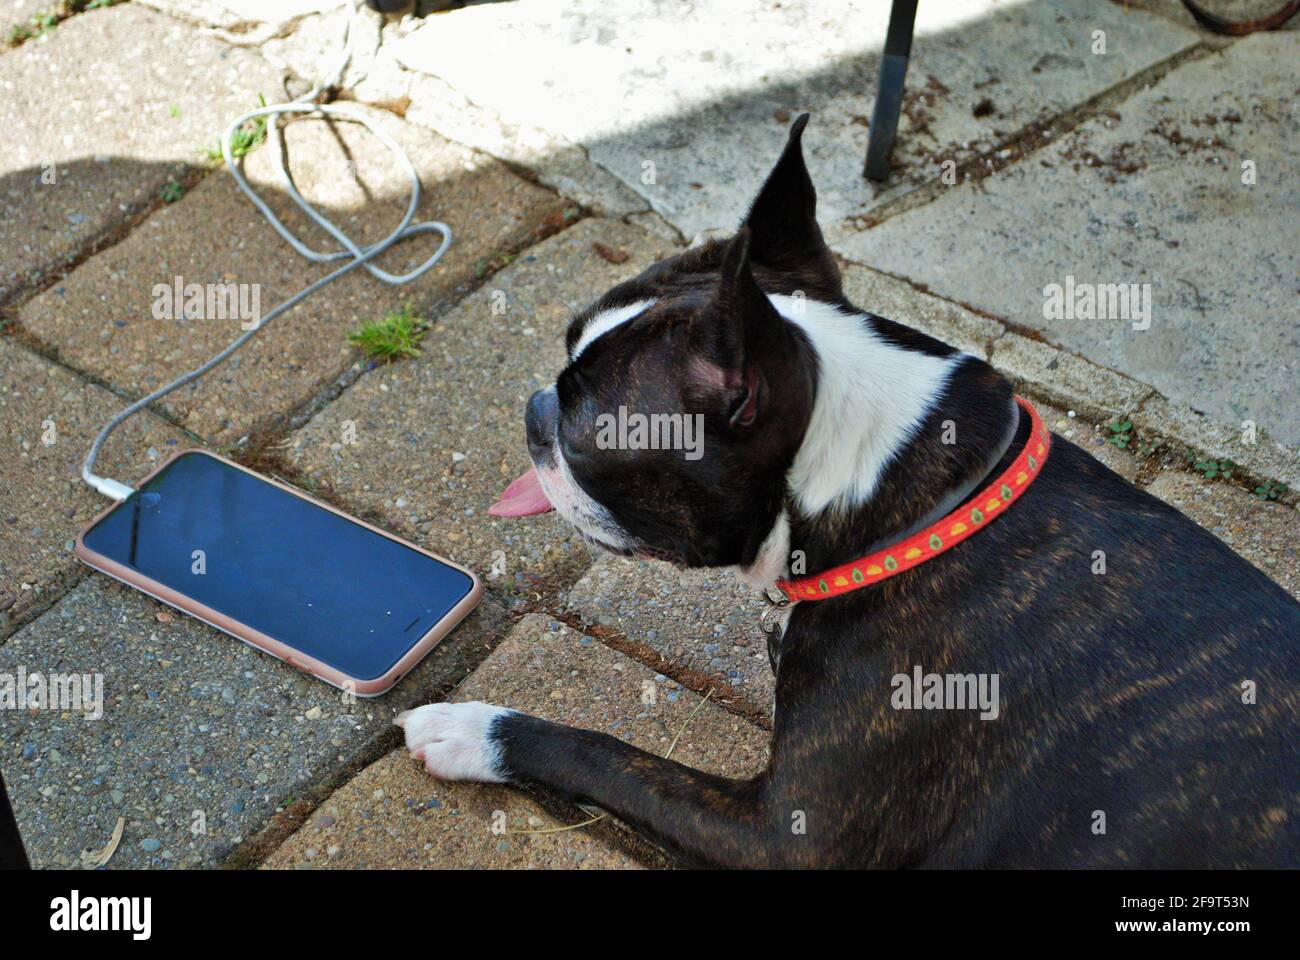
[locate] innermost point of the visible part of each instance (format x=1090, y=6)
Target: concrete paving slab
x=897, y=300
x=555, y=161
x=1034, y=367
x=97, y=124
x=196, y=729
x=554, y=672
x=243, y=15
x=311, y=46
x=702, y=623
x=307, y=39
x=436, y=439
x=48, y=418
x=104, y=317
x=1185, y=429
x=1153, y=195
x=690, y=110
x=259, y=23
x=1262, y=532
x=1066, y=379
x=394, y=814
x=308, y=45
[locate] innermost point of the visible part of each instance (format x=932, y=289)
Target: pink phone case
x=254, y=638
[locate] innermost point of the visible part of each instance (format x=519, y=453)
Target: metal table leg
x=889, y=92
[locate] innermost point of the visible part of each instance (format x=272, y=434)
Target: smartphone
x=289, y=575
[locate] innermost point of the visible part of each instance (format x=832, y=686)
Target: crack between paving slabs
x=296, y=814
x=188, y=177
x=1028, y=140
x=697, y=682
x=56, y=590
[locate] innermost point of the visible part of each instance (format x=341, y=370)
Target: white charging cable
x=355, y=255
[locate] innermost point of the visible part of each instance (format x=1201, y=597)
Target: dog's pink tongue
x=523, y=498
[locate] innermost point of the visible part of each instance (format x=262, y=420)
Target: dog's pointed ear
x=748, y=329
x=748, y=319
x=783, y=225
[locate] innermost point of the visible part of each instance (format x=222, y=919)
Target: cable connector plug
x=110, y=487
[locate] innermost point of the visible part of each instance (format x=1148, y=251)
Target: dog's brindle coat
x=1122, y=692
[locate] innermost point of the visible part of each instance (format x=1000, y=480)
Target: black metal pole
x=12, y=854
x=889, y=92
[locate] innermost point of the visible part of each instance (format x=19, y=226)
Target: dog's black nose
x=539, y=420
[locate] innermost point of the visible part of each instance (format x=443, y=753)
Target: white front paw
x=454, y=740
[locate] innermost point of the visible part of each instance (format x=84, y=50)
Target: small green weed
x=1121, y=432
x=397, y=335
x=1270, y=490
x=42, y=23
x=246, y=139
x=1211, y=469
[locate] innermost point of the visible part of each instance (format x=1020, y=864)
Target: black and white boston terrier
x=1146, y=705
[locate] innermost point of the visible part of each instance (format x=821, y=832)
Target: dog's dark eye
x=570, y=450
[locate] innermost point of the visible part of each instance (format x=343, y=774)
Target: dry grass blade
x=97, y=858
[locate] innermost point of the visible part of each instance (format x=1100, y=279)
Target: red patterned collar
x=977, y=513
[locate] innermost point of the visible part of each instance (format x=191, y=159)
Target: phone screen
x=314, y=580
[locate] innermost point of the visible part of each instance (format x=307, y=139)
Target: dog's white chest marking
x=871, y=398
